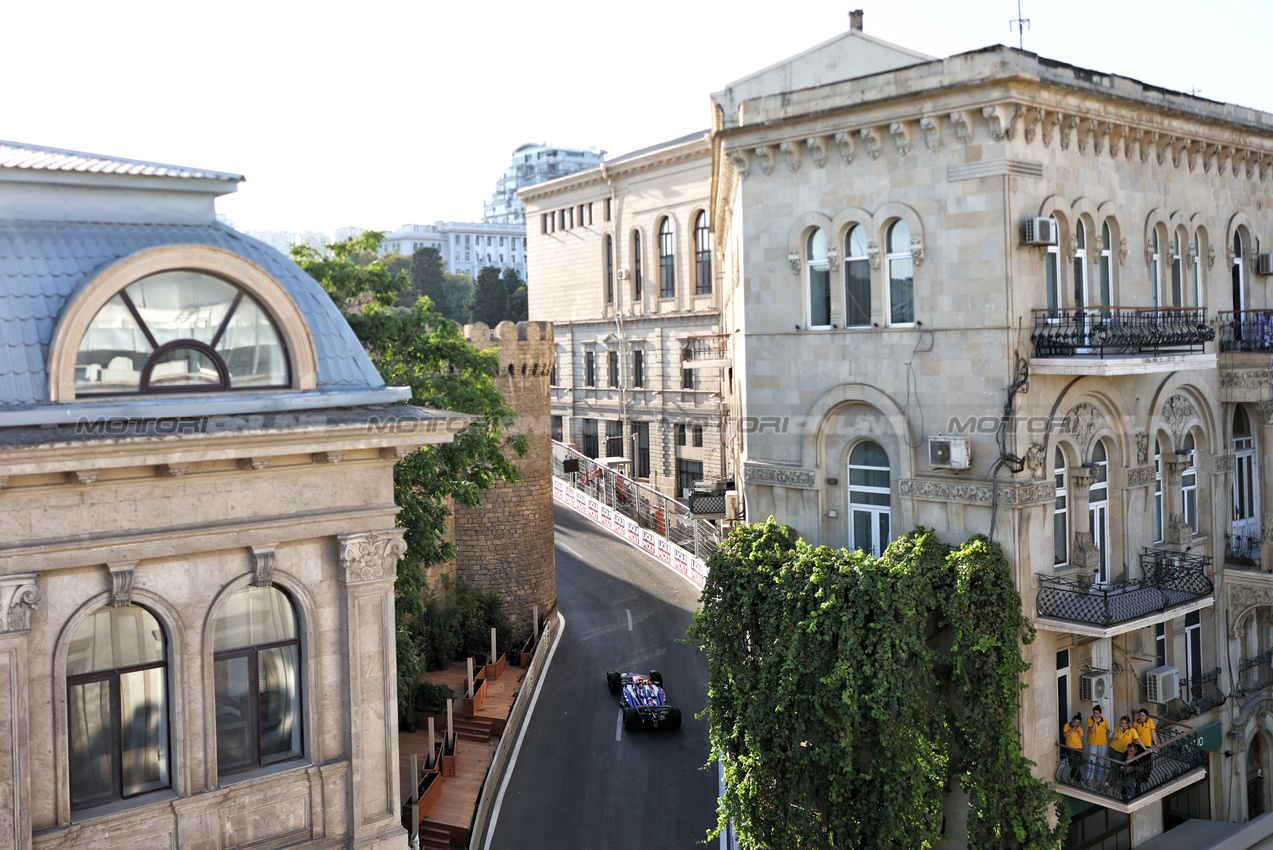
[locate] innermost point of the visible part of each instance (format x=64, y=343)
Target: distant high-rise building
x=534, y=163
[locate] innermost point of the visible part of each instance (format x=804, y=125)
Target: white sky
x=384, y=113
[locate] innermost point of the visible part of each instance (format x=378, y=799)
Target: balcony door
x=1098, y=509
x=1246, y=486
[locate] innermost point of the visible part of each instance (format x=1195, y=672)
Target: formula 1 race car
x=644, y=703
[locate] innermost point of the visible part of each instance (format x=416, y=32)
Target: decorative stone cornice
x=870, y=141
x=976, y=492
x=19, y=596
x=171, y=470
x=766, y=157
x=371, y=555
x=1243, y=599
x=962, y=126
x=396, y=452
x=817, y=146
x=901, y=137
x=1141, y=476
x=121, y=579
x=780, y=476
x=327, y=457
x=1225, y=463
x=263, y=560
x=254, y=462
x=1176, y=411
x=741, y=163
x=844, y=141
x=932, y=131
x=1083, y=422
x=84, y=476
x=791, y=155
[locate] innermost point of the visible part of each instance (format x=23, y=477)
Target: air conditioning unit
x=949, y=452
x=623, y=274
x=1162, y=684
x=1040, y=231
x=1096, y=688
x=1264, y=264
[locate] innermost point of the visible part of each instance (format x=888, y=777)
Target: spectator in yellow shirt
x=1146, y=729
x=1097, y=746
x=1123, y=736
x=1073, y=732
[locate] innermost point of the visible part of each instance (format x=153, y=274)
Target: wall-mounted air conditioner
x=1040, y=231
x=1162, y=684
x=949, y=452
x=623, y=274
x=1096, y=688
x=1264, y=264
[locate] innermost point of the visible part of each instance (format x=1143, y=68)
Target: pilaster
x=19, y=594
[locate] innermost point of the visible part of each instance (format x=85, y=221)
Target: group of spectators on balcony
x=1131, y=742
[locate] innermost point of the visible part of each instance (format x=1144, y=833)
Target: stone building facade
x=199, y=551
x=506, y=544
x=890, y=291
x=624, y=267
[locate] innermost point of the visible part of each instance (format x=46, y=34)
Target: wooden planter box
x=494, y=671
x=528, y=652
x=447, y=760
x=469, y=707
x=428, y=789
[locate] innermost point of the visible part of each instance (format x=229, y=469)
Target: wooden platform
x=455, y=808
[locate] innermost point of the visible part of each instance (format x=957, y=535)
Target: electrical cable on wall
x=1020, y=384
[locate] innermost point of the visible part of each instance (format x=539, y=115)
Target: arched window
x=818, y=268
x=609, y=269
x=180, y=331
x=1246, y=487
x=1154, y=278
x=901, y=275
x=1239, y=278
x=1158, y=523
x=1052, y=273
x=256, y=668
x=667, y=260
x=857, y=279
x=1106, y=266
x=1177, y=272
x=869, y=497
x=117, y=706
x=702, y=256
x=1196, y=272
x=1098, y=508
x=1189, y=485
x=1081, y=296
x=1060, y=516
x=636, y=264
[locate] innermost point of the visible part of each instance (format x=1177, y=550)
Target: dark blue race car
x=644, y=703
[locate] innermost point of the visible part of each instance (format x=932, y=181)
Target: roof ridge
x=43, y=158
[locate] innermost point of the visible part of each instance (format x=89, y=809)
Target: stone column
x=1264, y=475
x=1084, y=553
x=368, y=567
x=1175, y=529
x=19, y=594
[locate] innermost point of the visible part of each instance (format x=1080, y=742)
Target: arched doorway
x=1255, y=778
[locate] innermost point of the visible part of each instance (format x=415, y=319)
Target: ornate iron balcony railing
x=1176, y=755
x=712, y=347
x=1256, y=672
x=1098, y=331
x=1241, y=551
x=1246, y=330
x=1168, y=579
x=1202, y=695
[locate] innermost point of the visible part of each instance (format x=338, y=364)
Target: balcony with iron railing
x=1170, y=585
x=1176, y=762
x=1255, y=673
x=1119, y=340
x=1249, y=331
x=704, y=352
x=1197, y=697
x=1241, y=551
x=1245, y=341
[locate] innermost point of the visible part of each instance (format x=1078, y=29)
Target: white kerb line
x=618, y=727
x=629, y=611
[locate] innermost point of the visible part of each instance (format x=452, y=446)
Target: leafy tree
x=512, y=281
x=457, y=298
x=848, y=694
x=427, y=272
x=419, y=348
x=490, y=298
x=518, y=308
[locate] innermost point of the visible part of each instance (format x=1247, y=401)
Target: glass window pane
x=143, y=731
x=252, y=348
x=115, y=637
x=816, y=247
x=182, y=304
x=279, y=700
x=857, y=289
x=184, y=367
x=884, y=530
x=862, y=530
x=819, y=297
x=857, y=242
x=869, y=453
x=91, y=736
x=899, y=238
x=901, y=291
x=1050, y=275
x=112, y=352
x=234, y=713
x=253, y=616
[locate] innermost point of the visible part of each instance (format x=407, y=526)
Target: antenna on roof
x=1022, y=24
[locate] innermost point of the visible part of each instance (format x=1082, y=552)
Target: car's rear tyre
x=631, y=719
x=656, y=677
x=614, y=682
x=673, y=719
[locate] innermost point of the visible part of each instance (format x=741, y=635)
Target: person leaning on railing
x=1073, y=732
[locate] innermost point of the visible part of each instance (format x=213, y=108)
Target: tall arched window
x=1106, y=266
x=1239, y=278
x=1177, y=272
x=1196, y=273
x=1060, y=516
x=180, y=331
x=609, y=269
x=256, y=668
x=901, y=275
x=1189, y=485
x=869, y=497
x=857, y=279
x=1081, y=296
x=636, y=264
x=1246, y=486
x=1098, y=508
x=1155, y=280
x=1157, y=517
x=117, y=706
x=667, y=260
x=702, y=256
x=818, y=268
x=1052, y=272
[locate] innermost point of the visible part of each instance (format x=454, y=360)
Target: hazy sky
x=392, y=112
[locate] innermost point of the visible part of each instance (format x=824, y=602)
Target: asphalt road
x=581, y=782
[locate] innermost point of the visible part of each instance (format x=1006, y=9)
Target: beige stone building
x=914, y=247
x=198, y=550
x=623, y=260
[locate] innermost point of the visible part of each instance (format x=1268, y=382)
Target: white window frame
x=1052, y=261
x=889, y=259
x=849, y=259
x=875, y=512
x=1060, y=475
x=821, y=265
x=1189, y=484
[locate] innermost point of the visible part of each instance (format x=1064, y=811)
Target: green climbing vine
x=849, y=695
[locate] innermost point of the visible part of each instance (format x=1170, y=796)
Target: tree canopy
x=848, y=695
x=490, y=298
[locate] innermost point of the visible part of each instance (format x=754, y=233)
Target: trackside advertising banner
x=654, y=545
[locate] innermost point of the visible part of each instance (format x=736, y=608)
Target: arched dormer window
x=180, y=331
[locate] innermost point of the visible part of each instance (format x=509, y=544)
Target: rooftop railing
x=1246, y=330
x=1124, y=782
x=1168, y=579
x=1101, y=331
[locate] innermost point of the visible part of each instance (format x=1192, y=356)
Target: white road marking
x=530, y=710
x=629, y=610
x=618, y=727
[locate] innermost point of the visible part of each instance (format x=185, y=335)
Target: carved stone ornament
x=1071, y=248
x=816, y=146
x=766, y=157
x=1001, y=120
x=870, y=141
x=1116, y=140
x=844, y=141
x=1101, y=131
x=1084, y=553
x=1050, y=124
x=932, y=131
x=1141, y=476
x=1031, y=120
x=1250, y=379
x=779, y=476
x=917, y=251
x=1081, y=478
x=1243, y=599
x=1068, y=126
x=1225, y=463
x=263, y=560
x=1148, y=144
x=1179, y=531
x=171, y=470
x=84, y=476
x=1036, y=460
x=1083, y=422
x=1166, y=143
x=1142, y=448
x=396, y=452
x=121, y=577
x=901, y=137
x=1211, y=256
x=1266, y=528
x=791, y=154
x=19, y=596
x=327, y=457
x=963, y=127
x=793, y=259
x=1122, y=251
x=976, y=493
x=371, y=555
x=741, y=163
x=1176, y=411
x=873, y=252
x=254, y=462
x=1132, y=142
